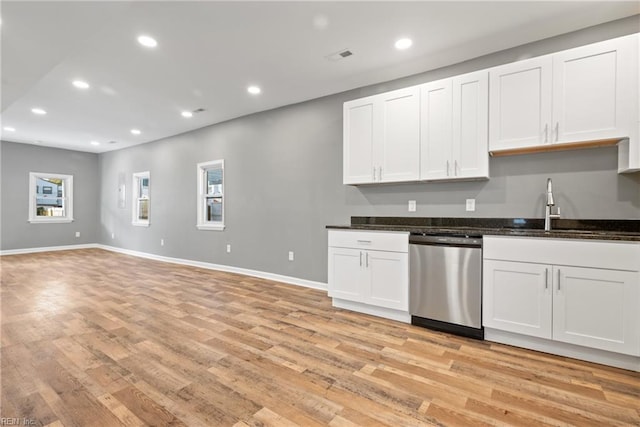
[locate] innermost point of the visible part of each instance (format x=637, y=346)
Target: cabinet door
x=388, y=274
x=436, y=130
x=470, y=125
x=597, y=308
x=517, y=297
x=358, y=140
x=346, y=274
x=520, y=104
x=397, y=156
x=593, y=91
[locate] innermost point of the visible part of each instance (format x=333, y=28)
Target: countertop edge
x=555, y=234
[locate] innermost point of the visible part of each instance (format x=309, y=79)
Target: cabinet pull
x=368, y=242
x=380, y=173
x=558, y=279
x=557, y=131
x=360, y=258
x=366, y=258
x=447, y=167
x=374, y=173
x=455, y=168
x=546, y=278
x=546, y=133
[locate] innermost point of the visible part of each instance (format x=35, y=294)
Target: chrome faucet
x=549, y=211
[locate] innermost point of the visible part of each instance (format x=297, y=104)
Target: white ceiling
x=209, y=52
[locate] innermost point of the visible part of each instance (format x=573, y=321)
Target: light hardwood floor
x=95, y=338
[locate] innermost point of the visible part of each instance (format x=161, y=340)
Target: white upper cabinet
x=520, y=104
x=398, y=158
x=578, y=95
x=470, y=125
x=454, y=114
x=436, y=129
x=381, y=138
x=358, y=141
x=592, y=96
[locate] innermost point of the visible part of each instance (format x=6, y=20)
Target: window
x=211, y=195
x=50, y=198
x=141, y=199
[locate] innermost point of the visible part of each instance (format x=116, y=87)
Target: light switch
x=77, y=234
x=290, y=255
x=471, y=205
x=412, y=205
x=228, y=249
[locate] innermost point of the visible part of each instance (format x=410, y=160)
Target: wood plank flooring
x=95, y=338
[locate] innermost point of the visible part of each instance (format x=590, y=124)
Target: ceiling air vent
x=337, y=56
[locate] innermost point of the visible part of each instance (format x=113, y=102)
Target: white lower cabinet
x=581, y=293
x=596, y=308
x=387, y=279
x=516, y=297
x=369, y=268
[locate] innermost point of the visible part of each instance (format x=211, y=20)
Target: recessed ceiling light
x=187, y=114
x=81, y=84
x=136, y=131
x=38, y=111
x=9, y=129
x=95, y=143
x=254, y=90
x=403, y=44
x=147, y=41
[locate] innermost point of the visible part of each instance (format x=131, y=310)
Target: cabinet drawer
x=582, y=253
x=370, y=240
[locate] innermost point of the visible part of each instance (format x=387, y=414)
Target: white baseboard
x=387, y=313
x=48, y=249
x=623, y=361
x=210, y=266
x=220, y=267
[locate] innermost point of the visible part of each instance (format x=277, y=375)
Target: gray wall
x=17, y=161
x=283, y=173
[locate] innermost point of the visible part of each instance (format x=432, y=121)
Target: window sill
x=51, y=220
x=140, y=224
x=210, y=227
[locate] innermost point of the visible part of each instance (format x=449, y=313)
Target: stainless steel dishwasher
x=445, y=283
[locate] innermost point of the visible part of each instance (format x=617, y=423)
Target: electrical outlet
x=412, y=205
x=228, y=249
x=77, y=234
x=290, y=255
x=471, y=205
x=161, y=242
x=113, y=235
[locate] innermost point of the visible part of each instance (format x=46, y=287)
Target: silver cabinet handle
x=366, y=259
x=360, y=258
x=447, y=167
x=380, y=173
x=557, y=131
x=546, y=278
x=558, y=279
x=374, y=173
x=364, y=242
x=455, y=168
x=546, y=133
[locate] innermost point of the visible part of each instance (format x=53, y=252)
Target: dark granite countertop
x=598, y=229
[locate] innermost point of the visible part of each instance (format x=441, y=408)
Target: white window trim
x=68, y=196
x=201, y=173
x=135, y=192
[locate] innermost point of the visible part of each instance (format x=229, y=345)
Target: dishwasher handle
x=433, y=240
